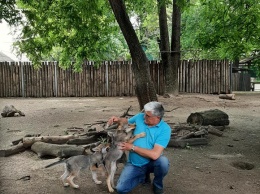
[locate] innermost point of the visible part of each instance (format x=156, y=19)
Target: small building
x=4, y=57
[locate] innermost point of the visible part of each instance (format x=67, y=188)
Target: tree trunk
x=145, y=89
x=210, y=117
x=165, y=47
x=175, y=48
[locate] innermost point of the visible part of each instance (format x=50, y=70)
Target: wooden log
x=28, y=141
x=82, y=141
x=201, y=132
x=209, y=117
x=186, y=136
x=214, y=131
x=12, y=150
x=63, y=151
x=182, y=143
x=227, y=96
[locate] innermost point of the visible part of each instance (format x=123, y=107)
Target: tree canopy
x=70, y=31
x=222, y=29
x=86, y=30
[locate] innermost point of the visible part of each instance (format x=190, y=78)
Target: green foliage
x=69, y=31
x=9, y=12
x=227, y=29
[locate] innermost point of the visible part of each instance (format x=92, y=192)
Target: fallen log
x=182, y=143
x=82, y=141
x=186, y=136
x=209, y=117
x=29, y=141
x=227, y=96
x=12, y=150
x=62, y=151
x=212, y=130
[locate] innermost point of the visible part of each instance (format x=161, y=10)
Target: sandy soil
x=194, y=170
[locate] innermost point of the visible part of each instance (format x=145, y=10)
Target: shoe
x=156, y=190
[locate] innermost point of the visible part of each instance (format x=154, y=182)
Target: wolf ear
x=97, y=148
x=105, y=149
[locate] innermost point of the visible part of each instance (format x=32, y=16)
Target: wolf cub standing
x=76, y=163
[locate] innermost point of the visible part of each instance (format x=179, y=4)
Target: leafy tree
x=222, y=29
x=145, y=89
x=76, y=30
x=84, y=30
x=9, y=12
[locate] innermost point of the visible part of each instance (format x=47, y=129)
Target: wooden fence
x=20, y=79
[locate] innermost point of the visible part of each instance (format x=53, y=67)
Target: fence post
x=230, y=78
x=55, y=79
x=22, y=81
x=106, y=64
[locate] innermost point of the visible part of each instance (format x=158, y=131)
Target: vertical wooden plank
x=86, y=79
x=222, y=78
x=111, y=78
x=180, y=76
x=130, y=78
x=218, y=76
x=4, y=80
x=29, y=81
x=103, y=78
x=193, y=76
x=213, y=78
x=120, y=79
x=14, y=80
x=19, y=78
x=209, y=77
x=197, y=77
x=59, y=80
x=99, y=80
x=1, y=79
x=187, y=78
x=39, y=81
x=124, y=74
x=26, y=81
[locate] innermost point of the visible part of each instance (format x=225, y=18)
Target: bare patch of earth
x=219, y=167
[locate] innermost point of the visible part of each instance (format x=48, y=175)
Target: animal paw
x=75, y=186
x=111, y=190
x=98, y=182
x=143, y=134
x=66, y=184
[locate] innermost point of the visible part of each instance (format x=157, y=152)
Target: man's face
x=150, y=119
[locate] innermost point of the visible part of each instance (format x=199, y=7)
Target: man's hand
x=112, y=120
x=125, y=146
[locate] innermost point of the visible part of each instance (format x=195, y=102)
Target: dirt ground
x=194, y=170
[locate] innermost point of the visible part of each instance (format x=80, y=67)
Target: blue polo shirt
x=159, y=134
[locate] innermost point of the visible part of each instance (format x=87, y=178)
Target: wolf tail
x=55, y=163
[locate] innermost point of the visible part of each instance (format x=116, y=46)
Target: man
x=145, y=154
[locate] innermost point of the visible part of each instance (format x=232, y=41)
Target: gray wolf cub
x=76, y=163
x=124, y=133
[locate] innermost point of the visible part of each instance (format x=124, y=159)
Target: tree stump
x=209, y=117
x=11, y=111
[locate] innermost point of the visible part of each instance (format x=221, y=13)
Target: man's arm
x=118, y=120
x=153, y=154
